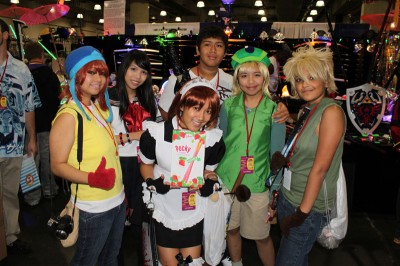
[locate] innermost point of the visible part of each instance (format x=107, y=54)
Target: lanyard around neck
x=106, y=126
x=248, y=134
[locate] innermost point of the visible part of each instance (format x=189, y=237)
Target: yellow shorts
x=250, y=216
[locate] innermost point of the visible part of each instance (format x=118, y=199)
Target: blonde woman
x=314, y=157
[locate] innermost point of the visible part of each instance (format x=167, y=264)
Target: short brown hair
x=33, y=50
x=198, y=95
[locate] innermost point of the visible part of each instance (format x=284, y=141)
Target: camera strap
x=78, y=153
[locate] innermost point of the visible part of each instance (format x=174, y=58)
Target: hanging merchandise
x=365, y=107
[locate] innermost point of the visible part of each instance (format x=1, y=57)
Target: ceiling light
x=313, y=12
x=97, y=7
x=309, y=19
x=211, y=13
x=79, y=16
x=163, y=13
x=228, y=2
x=101, y=20
x=320, y=3
x=263, y=19
x=200, y=4
x=178, y=19
x=258, y=3
x=14, y=1
x=261, y=12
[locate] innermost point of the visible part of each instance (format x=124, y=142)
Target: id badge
x=188, y=201
x=3, y=102
x=287, y=179
x=247, y=164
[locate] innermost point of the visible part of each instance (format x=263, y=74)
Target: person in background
x=274, y=74
x=48, y=87
x=211, y=47
x=19, y=98
x=256, y=138
x=315, y=157
x=135, y=102
x=278, y=59
x=179, y=225
x=100, y=197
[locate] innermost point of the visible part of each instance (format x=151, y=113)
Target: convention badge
x=247, y=164
x=287, y=179
x=188, y=201
x=3, y=102
x=138, y=157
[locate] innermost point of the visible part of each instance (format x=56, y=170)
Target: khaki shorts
x=250, y=216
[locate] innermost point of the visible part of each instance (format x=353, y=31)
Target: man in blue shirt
x=18, y=100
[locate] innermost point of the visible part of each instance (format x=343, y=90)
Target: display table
x=372, y=173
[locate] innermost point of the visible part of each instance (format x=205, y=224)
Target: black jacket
x=48, y=86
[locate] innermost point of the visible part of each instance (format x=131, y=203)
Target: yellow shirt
x=97, y=142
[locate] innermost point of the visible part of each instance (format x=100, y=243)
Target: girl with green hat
x=251, y=136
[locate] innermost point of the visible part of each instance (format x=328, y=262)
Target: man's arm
x=167, y=97
x=31, y=130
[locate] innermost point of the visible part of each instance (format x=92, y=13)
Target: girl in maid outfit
x=179, y=229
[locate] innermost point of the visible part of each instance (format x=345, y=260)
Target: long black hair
x=144, y=92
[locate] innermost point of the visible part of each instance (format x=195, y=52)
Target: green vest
x=303, y=160
x=235, y=141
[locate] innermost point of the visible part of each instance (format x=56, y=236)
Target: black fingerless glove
x=293, y=220
x=208, y=188
x=158, y=185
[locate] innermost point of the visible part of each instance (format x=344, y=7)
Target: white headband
x=196, y=82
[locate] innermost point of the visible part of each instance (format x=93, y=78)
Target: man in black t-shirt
x=48, y=86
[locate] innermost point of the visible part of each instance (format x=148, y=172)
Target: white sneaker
x=226, y=262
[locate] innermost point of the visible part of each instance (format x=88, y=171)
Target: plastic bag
x=214, y=233
x=334, y=232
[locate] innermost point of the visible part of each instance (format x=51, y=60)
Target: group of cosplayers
x=230, y=129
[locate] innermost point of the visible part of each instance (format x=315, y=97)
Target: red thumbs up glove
x=102, y=177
